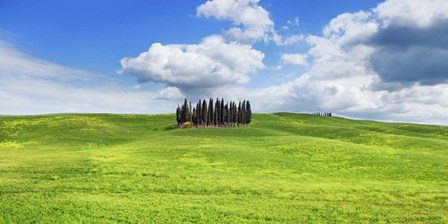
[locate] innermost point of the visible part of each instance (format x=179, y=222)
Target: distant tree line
x=214, y=114
x=324, y=114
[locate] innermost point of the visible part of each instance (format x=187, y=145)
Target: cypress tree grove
x=214, y=113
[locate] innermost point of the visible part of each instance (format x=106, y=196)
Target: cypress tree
x=210, y=112
x=235, y=114
x=231, y=114
x=217, y=110
x=226, y=115
x=239, y=113
x=178, y=116
x=249, y=113
x=221, y=117
x=204, y=112
x=184, y=113
x=243, y=113
x=194, y=117
x=190, y=114
x=198, y=112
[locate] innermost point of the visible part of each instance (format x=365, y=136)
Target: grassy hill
x=284, y=168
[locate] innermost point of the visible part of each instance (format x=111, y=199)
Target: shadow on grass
x=169, y=128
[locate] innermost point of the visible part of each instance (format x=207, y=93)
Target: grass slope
x=284, y=168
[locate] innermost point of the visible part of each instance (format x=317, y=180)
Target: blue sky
x=336, y=52
x=95, y=35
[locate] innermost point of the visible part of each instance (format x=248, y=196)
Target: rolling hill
x=283, y=168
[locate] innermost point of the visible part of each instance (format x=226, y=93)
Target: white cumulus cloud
x=252, y=22
x=197, y=67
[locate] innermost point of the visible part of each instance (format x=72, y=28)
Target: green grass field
x=284, y=168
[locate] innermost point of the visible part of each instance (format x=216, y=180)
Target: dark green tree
x=217, y=110
x=243, y=113
x=236, y=114
x=190, y=113
x=221, y=113
x=239, y=114
x=249, y=113
x=199, y=112
x=194, y=117
x=204, y=112
x=230, y=114
x=178, y=117
x=226, y=115
x=210, y=112
x=185, y=112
